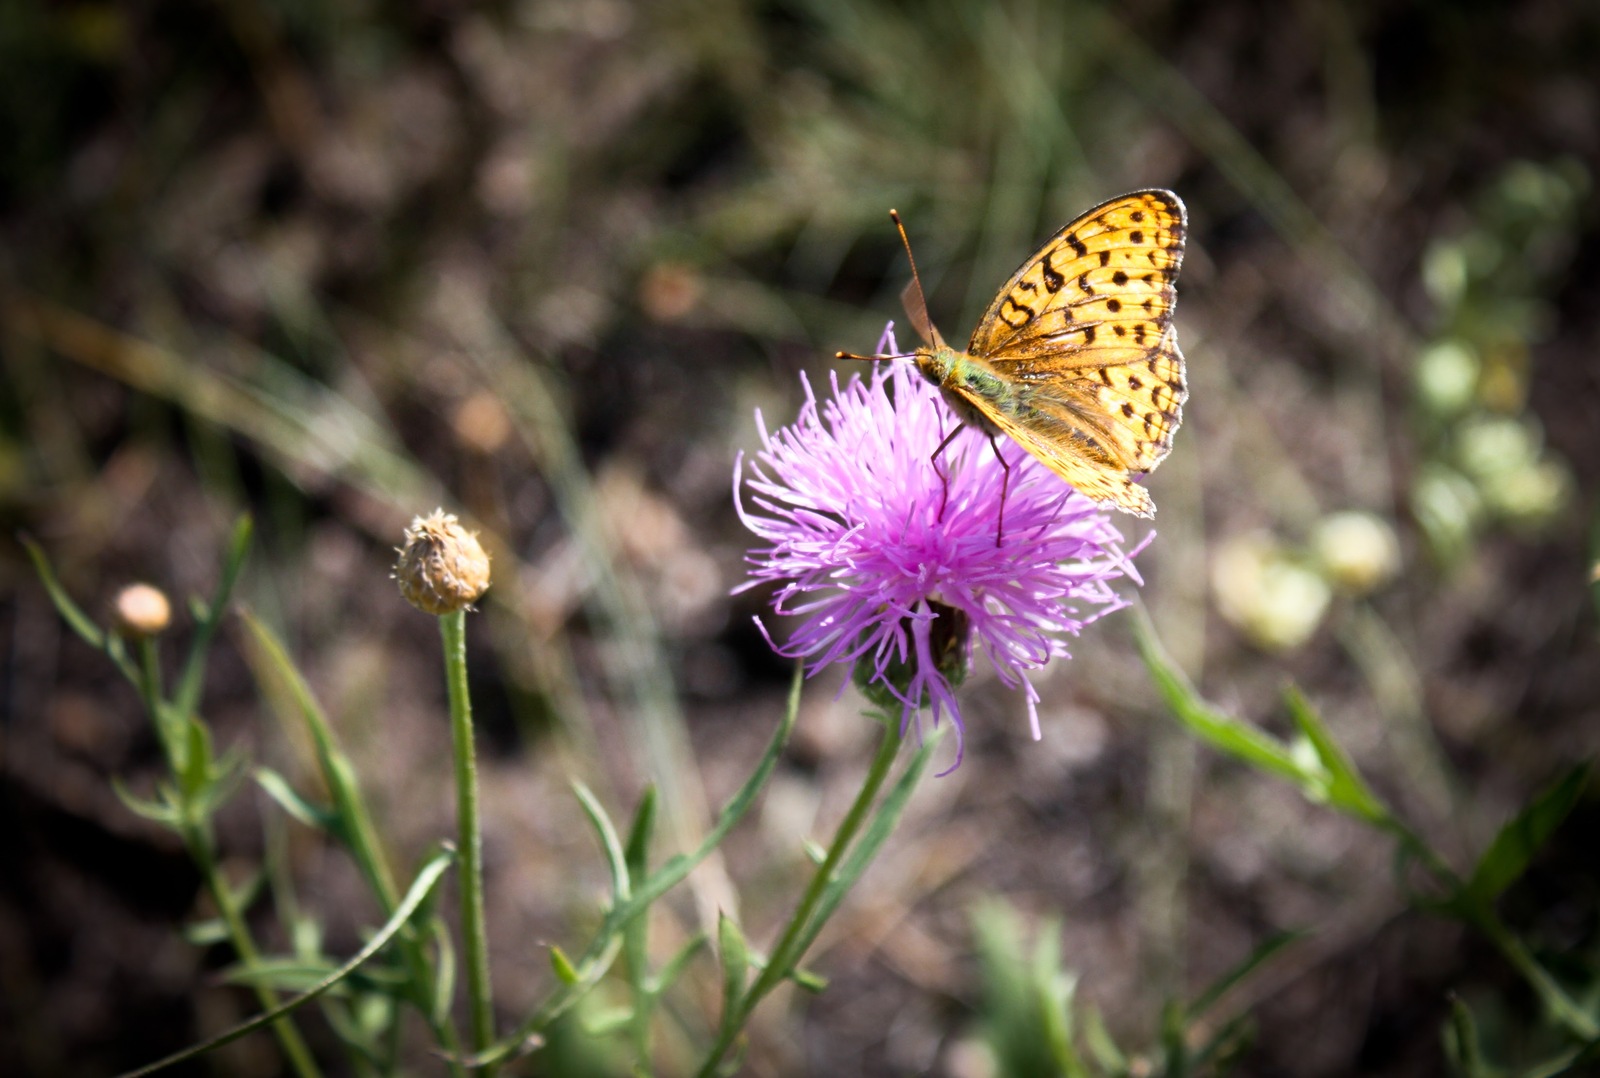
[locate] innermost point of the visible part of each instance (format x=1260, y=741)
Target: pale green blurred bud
x=1447, y=377
x=1491, y=446
x=1358, y=551
x=1531, y=495
x=1444, y=272
x=1447, y=506
x=1265, y=593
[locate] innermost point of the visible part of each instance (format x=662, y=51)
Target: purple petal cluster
x=867, y=544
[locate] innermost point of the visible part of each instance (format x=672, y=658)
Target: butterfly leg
x=944, y=477
x=1005, y=482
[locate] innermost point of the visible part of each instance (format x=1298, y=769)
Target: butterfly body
x=1076, y=359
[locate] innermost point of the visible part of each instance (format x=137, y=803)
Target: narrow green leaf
x=206, y=933
x=640, y=833
x=735, y=955
x=616, y=859
x=565, y=971
x=1346, y=790
x=444, y=981
x=187, y=698
x=1461, y=1043
x=277, y=787
x=286, y=974
x=606, y=1022
x=162, y=811
x=607, y=943
x=806, y=979
x=351, y=821
x=70, y=612
x=425, y=881
x=671, y=873
x=1102, y=1046
x=677, y=964
x=1238, y=739
x=197, y=769
x=1258, y=957
x=1507, y=857
x=872, y=839
x=1225, y=1045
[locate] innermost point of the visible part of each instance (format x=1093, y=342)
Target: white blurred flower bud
x=1261, y=590
x=1358, y=551
x=142, y=611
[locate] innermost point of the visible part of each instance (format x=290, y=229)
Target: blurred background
x=336, y=263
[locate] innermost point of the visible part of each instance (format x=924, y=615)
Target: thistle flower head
x=890, y=561
x=442, y=567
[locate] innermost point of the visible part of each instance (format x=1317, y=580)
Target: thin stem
x=197, y=837
x=453, y=627
x=789, y=950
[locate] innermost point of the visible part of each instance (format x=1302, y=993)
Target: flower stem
x=790, y=947
x=197, y=837
x=453, y=627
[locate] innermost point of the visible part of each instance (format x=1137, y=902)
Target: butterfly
x=1076, y=360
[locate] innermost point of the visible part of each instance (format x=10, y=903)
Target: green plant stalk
x=790, y=947
x=197, y=840
x=475, y=940
x=1483, y=917
x=361, y=837
x=197, y=837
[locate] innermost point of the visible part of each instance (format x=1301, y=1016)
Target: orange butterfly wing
x=1084, y=327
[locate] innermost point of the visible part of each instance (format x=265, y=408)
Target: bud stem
x=453, y=628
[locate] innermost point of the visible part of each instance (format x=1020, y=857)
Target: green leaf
x=806, y=979
x=162, y=811
x=735, y=955
x=616, y=859
x=1507, y=857
x=677, y=964
x=1101, y=1044
x=606, y=1022
x=565, y=971
x=672, y=872
x=286, y=974
x=70, y=612
x=1462, y=1045
x=426, y=879
x=1238, y=739
x=277, y=787
x=1263, y=952
x=206, y=933
x=639, y=834
x=1345, y=789
x=187, y=698
x=197, y=769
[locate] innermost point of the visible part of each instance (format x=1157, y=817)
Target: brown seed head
x=142, y=611
x=442, y=567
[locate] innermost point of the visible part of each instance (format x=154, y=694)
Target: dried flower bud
x=142, y=611
x=442, y=567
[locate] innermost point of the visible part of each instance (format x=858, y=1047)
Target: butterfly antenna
x=913, y=299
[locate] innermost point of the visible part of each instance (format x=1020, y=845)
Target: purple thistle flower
x=849, y=504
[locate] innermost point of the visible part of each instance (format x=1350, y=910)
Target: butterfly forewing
x=1113, y=268
x=1084, y=327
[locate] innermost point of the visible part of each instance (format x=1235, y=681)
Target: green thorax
x=966, y=381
